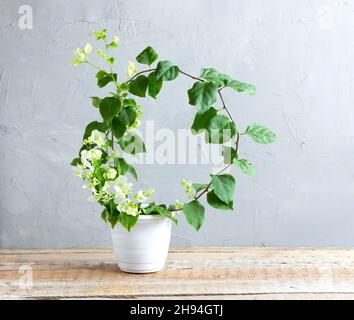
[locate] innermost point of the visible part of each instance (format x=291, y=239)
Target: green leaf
x=216, y=203
x=202, y=95
x=85, y=147
x=242, y=87
x=104, y=215
x=112, y=45
x=222, y=80
x=110, y=60
x=100, y=35
x=138, y=86
x=229, y=154
x=246, y=167
x=113, y=214
x=75, y=162
x=166, y=71
x=154, y=85
x=194, y=213
x=199, y=187
x=103, y=78
x=124, y=86
x=124, y=167
x=224, y=187
x=132, y=172
x=147, y=56
x=152, y=208
x=99, y=174
x=202, y=120
x=129, y=102
x=166, y=213
x=132, y=143
x=220, y=130
x=96, y=101
x=121, y=166
x=118, y=127
x=127, y=221
x=213, y=75
x=113, y=219
x=261, y=134
x=127, y=115
x=109, y=107
x=94, y=125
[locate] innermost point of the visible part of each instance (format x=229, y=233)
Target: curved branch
x=206, y=190
x=192, y=77
x=138, y=74
x=237, y=142
x=224, y=105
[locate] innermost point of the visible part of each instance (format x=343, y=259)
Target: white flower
x=111, y=173
x=95, y=154
x=93, y=198
x=98, y=138
x=91, y=155
x=84, y=157
x=136, y=124
x=129, y=207
x=140, y=196
x=79, y=170
x=178, y=205
x=106, y=187
x=143, y=196
x=131, y=69
x=90, y=186
x=114, y=154
x=101, y=54
x=122, y=187
x=187, y=185
x=116, y=39
x=149, y=193
x=79, y=57
x=88, y=48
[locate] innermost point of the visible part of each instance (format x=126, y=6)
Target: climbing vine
x=104, y=169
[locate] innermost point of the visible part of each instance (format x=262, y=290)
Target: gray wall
x=298, y=53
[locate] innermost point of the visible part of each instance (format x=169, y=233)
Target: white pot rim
x=151, y=217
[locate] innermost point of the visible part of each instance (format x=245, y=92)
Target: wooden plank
x=215, y=273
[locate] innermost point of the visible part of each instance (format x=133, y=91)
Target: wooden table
x=210, y=273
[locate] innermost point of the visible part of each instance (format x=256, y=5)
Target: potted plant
x=141, y=230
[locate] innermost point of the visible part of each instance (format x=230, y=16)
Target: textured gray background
x=298, y=53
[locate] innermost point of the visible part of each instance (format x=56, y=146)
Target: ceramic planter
x=145, y=248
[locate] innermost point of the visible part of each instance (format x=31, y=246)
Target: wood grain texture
x=208, y=273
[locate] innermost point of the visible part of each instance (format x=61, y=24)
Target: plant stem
x=209, y=185
x=237, y=143
x=224, y=105
x=110, y=65
x=190, y=76
x=93, y=65
x=138, y=74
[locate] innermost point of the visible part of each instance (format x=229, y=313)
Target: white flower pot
x=145, y=248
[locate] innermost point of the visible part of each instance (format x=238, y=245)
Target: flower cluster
x=131, y=70
x=80, y=56
x=101, y=177
x=187, y=186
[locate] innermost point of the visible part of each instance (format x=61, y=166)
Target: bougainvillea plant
x=101, y=162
